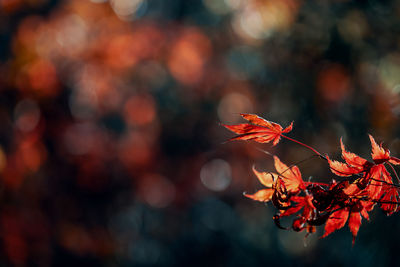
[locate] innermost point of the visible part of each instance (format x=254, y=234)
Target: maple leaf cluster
x=362, y=185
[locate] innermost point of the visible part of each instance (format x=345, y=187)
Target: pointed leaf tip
x=266, y=178
x=353, y=160
x=288, y=128
x=263, y=195
x=379, y=154
x=336, y=221
x=354, y=224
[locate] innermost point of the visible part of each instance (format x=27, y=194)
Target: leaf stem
x=315, y=183
x=307, y=146
x=395, y=173
x=377, y=180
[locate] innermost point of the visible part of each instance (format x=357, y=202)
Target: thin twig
x=395, y=173
x=391, y=184
x=307, y=146
x=290, y=166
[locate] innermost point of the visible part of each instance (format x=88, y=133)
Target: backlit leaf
x=266, y=178
x=263, y=195
x=336, y=221
x=291, y=176
x=259, y=130
x=354, y=223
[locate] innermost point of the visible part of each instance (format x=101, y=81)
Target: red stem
x=307, y=146
x=308, y=183
x=395, y=173
x=377, y=180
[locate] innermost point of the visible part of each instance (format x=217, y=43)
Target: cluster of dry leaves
x=364, y=184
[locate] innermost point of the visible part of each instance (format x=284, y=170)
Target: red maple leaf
x=336, y=221
x=287, y=180
x=389, y=201
x=259, y=130
x=373, y=175
x=339, y=218
x=298, y=203
x=355, y=164
x=333, y=204
x=290, y=176
x=354, y=223
x=301, y=202
x=380, y=154
x=268, y=180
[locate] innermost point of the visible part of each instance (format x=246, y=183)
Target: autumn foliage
x=359, y=187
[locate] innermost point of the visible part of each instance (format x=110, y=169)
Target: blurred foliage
x=110, y=148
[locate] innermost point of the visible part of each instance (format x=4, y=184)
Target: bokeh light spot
x=125, y=9
x=259, y=19
x=140, y=110
x=3, y=159
x=26, y=115
x=333, y=83
x=72, y=34
x=188, y=56
x=233, y=104
x=157, y=190
x=42, y=77
x=79, y=138
x=217, y=6
x=135, y=150
x=216, y=175
x=389, y=71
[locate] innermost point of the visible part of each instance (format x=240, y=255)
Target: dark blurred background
x=111, y=152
